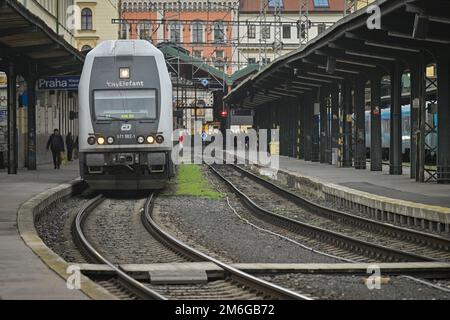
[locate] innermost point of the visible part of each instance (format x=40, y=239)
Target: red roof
x=292, y=6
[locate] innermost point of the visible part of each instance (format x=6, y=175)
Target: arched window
x=86, y=19
x=86, y=47
x=197, y=32
x=219, y=31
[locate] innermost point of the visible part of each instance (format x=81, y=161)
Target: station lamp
x=124, y=73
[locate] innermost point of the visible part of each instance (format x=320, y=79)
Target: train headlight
x=140, y=139
x=159, y=139
x=101, y=140
x=124, y=73
x=91, y=140
x=151, y=139
x=110, y=140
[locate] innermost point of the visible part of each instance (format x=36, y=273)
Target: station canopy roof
x=26, y=37
x=349, y=50
x=194, y=69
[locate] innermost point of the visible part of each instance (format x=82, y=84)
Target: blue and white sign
x=204, y=136
x=3, y=115
x=205, y=82
x=59, y=83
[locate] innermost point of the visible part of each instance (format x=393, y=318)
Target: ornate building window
x=86, y=19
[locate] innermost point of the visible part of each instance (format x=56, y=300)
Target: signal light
x=91, y=140
x=223, y=113
x=110, y=140
x=140, y=139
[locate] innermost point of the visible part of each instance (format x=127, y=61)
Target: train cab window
x=125, y=104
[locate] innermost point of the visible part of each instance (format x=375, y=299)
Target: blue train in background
x=431, y=139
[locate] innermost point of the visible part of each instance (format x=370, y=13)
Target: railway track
x=235, y=285
x=340, y=234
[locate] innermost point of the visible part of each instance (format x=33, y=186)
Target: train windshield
x=125, y=104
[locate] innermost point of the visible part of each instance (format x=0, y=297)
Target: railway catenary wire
x=331, y=231
x=236, y=285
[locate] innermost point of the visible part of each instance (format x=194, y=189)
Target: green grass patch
x=190, y=181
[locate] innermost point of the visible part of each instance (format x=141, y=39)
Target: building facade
x=95, y=23
x=271, y=28
x=205, y=28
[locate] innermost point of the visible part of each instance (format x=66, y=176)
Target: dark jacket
x=55, y=143
x=69, y=142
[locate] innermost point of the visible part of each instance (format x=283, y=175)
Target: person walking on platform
x=56, y=145
x=69, y=145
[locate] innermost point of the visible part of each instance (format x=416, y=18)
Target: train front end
x=125, y=113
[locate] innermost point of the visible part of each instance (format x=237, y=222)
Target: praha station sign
x=59, y=83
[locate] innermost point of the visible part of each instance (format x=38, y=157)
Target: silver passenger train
x=125, y=116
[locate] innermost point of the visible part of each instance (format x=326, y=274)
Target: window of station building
x=219, y=31
x=265, y=32
x=286, y=31
x=265, y=60
x=144, y=30
x=251, y=60
x=197, y=54
x=321, y=3
x=175, y=32
x=86, y=19
x=219, y=54
x=197, y=32
x=251, y=31
x=321, y=27
x=275, y=3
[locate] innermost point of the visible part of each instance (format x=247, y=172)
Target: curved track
x=334, y=232
x=236, y=285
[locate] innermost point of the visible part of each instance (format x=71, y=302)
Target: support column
x=347, y=125
x=395, y=151
x=417, y=99
x=334, y=124
x=324, y=95
x=360, y=124
x=307, y=110
x=301, y=119
x=315, y=133
x=31, y=91
x=443, y=154
x=12, y=119
x=376, y=152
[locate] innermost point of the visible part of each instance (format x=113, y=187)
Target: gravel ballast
x=213, y=225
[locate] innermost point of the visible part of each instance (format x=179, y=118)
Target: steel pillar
x=376, y=151
x=334, y=132
x=301, y=133
x=308, y=111
x=12, y=119
x=324, y=96
x=417, y=71
x=360, y=124
x=315, y=130
x=31, y=91
x=347, y=125
x=395, y=150
x=443, y=153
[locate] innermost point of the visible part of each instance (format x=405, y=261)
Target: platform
x=383, y=184
x=22, y=274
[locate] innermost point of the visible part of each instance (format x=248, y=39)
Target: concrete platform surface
x=383, y=184
x=22, y=274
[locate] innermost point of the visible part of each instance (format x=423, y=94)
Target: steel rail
x=246, y=279
x=367, y=249
x=88, y=249
x=401, y=233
